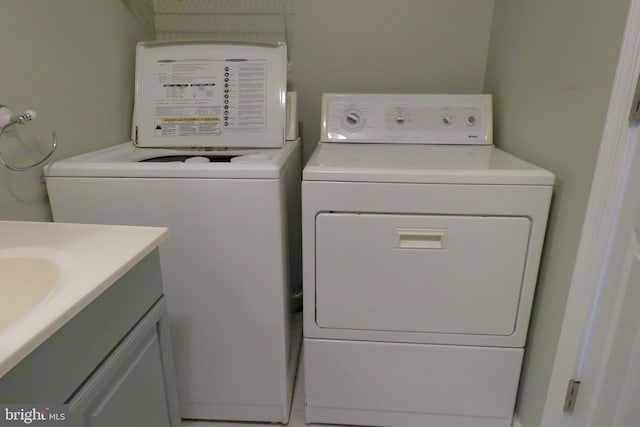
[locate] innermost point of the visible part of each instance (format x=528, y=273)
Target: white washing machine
x=231, y=202
x=421, y=245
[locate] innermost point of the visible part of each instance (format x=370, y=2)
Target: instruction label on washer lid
x=207, y=94
x=207, y=97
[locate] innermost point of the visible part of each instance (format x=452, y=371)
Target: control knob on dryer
x=353, y=120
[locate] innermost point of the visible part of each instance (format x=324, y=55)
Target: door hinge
x=572, y=395
x=634, y=114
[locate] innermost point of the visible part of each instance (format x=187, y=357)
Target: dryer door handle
x=420, y=238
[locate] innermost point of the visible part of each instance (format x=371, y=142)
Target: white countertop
x=91, y=258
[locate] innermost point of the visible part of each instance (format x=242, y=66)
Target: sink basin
x=28, y=275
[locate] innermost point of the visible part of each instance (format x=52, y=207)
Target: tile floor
x=297, y=409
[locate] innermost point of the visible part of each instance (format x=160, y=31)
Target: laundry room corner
x=551, y=92
x=72, y=62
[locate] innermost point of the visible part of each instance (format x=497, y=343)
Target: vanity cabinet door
x=131, y=387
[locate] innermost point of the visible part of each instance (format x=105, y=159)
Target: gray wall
x=550, y=68
x=72, y=62
x=405, y=46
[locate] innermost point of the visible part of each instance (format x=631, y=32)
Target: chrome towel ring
x=7, y=120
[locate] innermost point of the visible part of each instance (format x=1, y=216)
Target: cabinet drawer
x=130, y=386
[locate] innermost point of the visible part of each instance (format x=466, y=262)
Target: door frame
x=605, y=200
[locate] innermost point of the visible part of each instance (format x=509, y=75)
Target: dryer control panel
x=399, y=118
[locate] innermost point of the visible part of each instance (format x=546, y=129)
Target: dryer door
x=420, y=273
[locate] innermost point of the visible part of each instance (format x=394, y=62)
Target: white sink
x=49, y=272
x=27, y=277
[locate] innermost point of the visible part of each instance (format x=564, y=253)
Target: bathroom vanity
x=111, y=360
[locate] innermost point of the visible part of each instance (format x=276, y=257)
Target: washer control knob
x=447, y=120
x=471, y=120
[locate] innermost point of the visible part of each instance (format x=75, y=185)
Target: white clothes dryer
x=421, y=245
x=227, y=185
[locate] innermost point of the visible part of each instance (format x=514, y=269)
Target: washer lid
x=407, y=163
x=207, y=94
x=128, y=161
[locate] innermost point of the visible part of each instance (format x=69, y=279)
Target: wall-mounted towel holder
x=7, y=120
